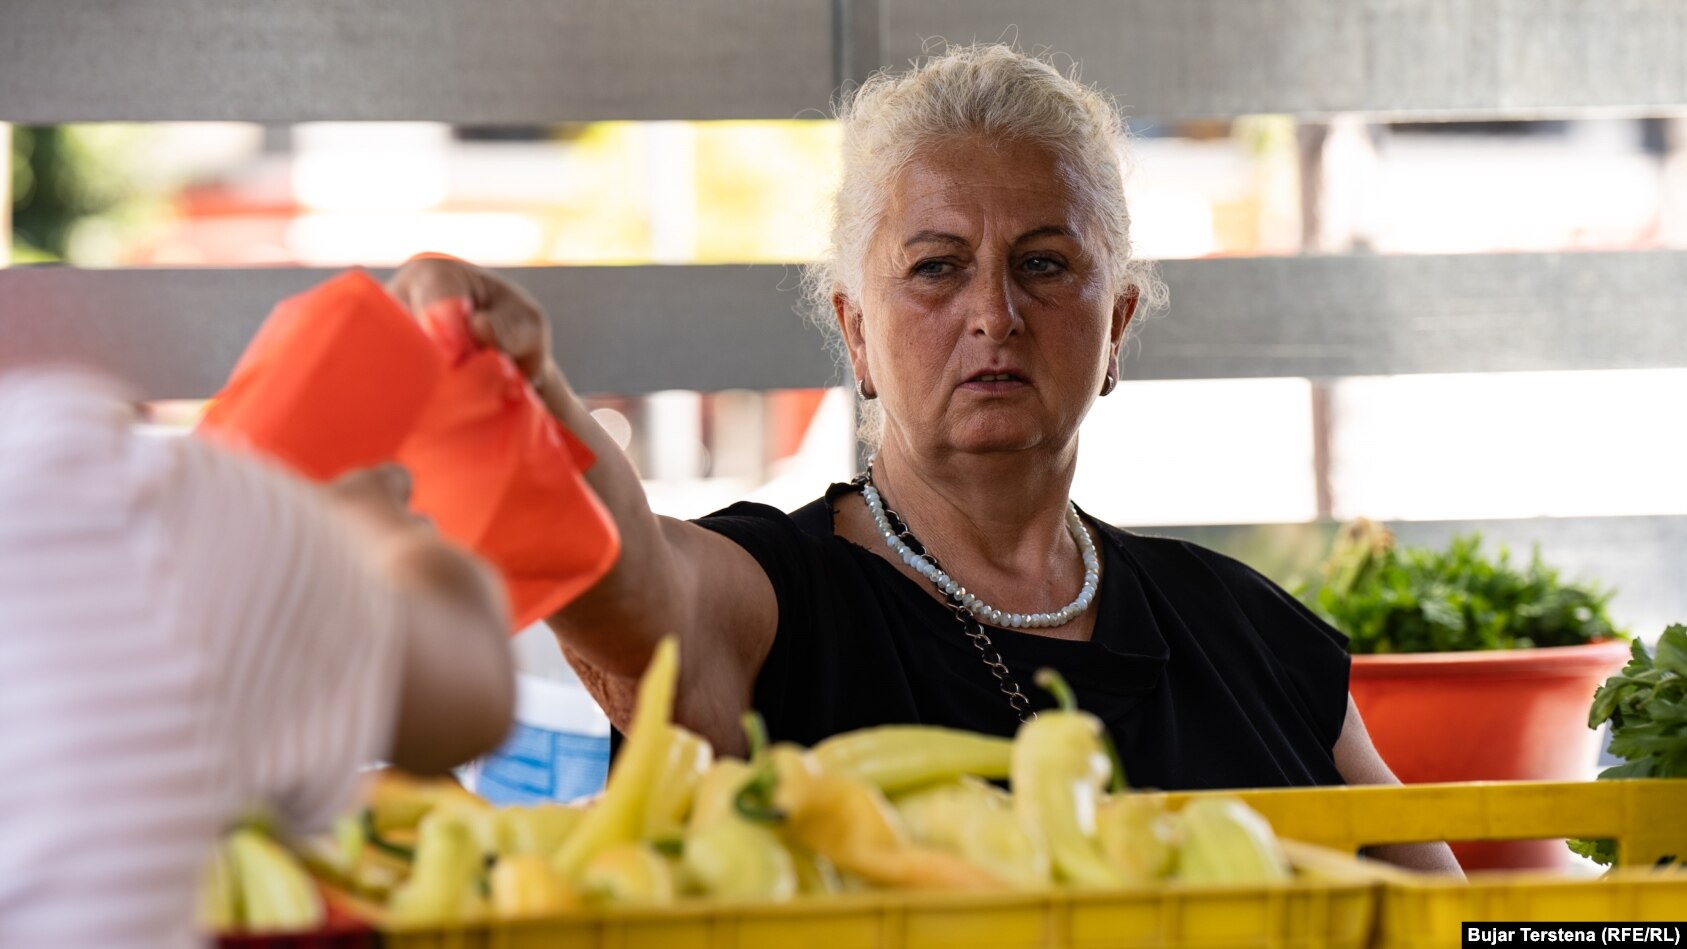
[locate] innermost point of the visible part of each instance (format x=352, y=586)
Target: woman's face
x=987, y=319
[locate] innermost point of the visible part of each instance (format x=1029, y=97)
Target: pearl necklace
x=925, y=566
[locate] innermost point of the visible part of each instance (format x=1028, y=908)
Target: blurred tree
x=43, y=209
x=71, y=183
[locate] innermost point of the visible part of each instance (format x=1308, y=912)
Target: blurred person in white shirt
x=187, y=636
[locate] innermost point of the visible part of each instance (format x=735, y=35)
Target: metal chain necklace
x=968, y=607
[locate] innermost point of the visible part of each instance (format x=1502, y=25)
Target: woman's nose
x=991, y=308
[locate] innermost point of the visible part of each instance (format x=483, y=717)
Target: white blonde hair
x=988, y=90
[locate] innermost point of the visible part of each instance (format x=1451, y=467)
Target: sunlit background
x=1200, y=457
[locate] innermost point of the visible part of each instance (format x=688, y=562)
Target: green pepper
x=1061, y=765
x=899, y=757
x=618, y=817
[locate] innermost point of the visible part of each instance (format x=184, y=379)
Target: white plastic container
x=558, y=748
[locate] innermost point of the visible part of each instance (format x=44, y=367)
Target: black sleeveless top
x=1207, y=674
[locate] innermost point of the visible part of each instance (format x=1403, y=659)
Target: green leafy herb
x=1392, y=600
x=1646, y=704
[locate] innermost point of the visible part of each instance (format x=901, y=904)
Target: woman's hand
x=500, y=314
x=671, y=578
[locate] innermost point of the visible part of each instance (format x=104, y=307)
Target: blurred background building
x=1426, y=258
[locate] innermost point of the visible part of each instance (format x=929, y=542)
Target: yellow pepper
x=267, y=887
x=618, y=816
x=349, y=843
x=726, y=855
x=793, y=767
x=398, y=801
x=896, y=758
x=536, y=829
x=976, y=821
x=815, y=874
x=717, y=790
x=334, y=856
x=217, y=901
x=631, y=874
x=525, y=885
x=850, y=823
x=1226, y=841
x=716, y=802
x=733, y=859
x=844, y=820
x=485, y=823
x=377, y=875
x=444, y=884
x=1139, y=837
x=1060, y=767
x=350, y=860
x=687, y=759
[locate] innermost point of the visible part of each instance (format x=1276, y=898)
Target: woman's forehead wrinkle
x=935, y=237
x=1047, y=230
x=945, y=199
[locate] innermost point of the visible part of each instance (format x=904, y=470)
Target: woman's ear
x=1124, y=309
x=849, y=319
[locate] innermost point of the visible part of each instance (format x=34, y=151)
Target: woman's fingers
x=515, y=326
x=504, y=316
x=481, y=328
x=422, y=281
x=521, y=334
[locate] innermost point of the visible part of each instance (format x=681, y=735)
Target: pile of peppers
x=894, y=807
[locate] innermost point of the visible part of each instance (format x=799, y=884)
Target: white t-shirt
x=185, y=636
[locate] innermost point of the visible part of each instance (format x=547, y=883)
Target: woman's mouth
x=995, y=382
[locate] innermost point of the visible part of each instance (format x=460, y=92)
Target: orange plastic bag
x=496, y=473
x=334, y=380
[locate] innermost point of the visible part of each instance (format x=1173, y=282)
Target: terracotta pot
x=1509, y=715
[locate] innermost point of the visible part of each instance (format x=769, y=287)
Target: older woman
x=982, y=280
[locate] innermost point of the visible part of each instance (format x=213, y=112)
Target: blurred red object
x=345, y=928
x=337, y=934
x=496, y=472
x=341, y=377
x=334, y=381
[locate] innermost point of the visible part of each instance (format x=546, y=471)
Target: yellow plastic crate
x=1645, y=817
x=1331, y=904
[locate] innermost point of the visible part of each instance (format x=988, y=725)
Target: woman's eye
x=1041, y=265
x=932, y=268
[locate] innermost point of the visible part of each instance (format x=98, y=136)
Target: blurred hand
x=456, y=686
x=376, y=501
x=501, y=314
